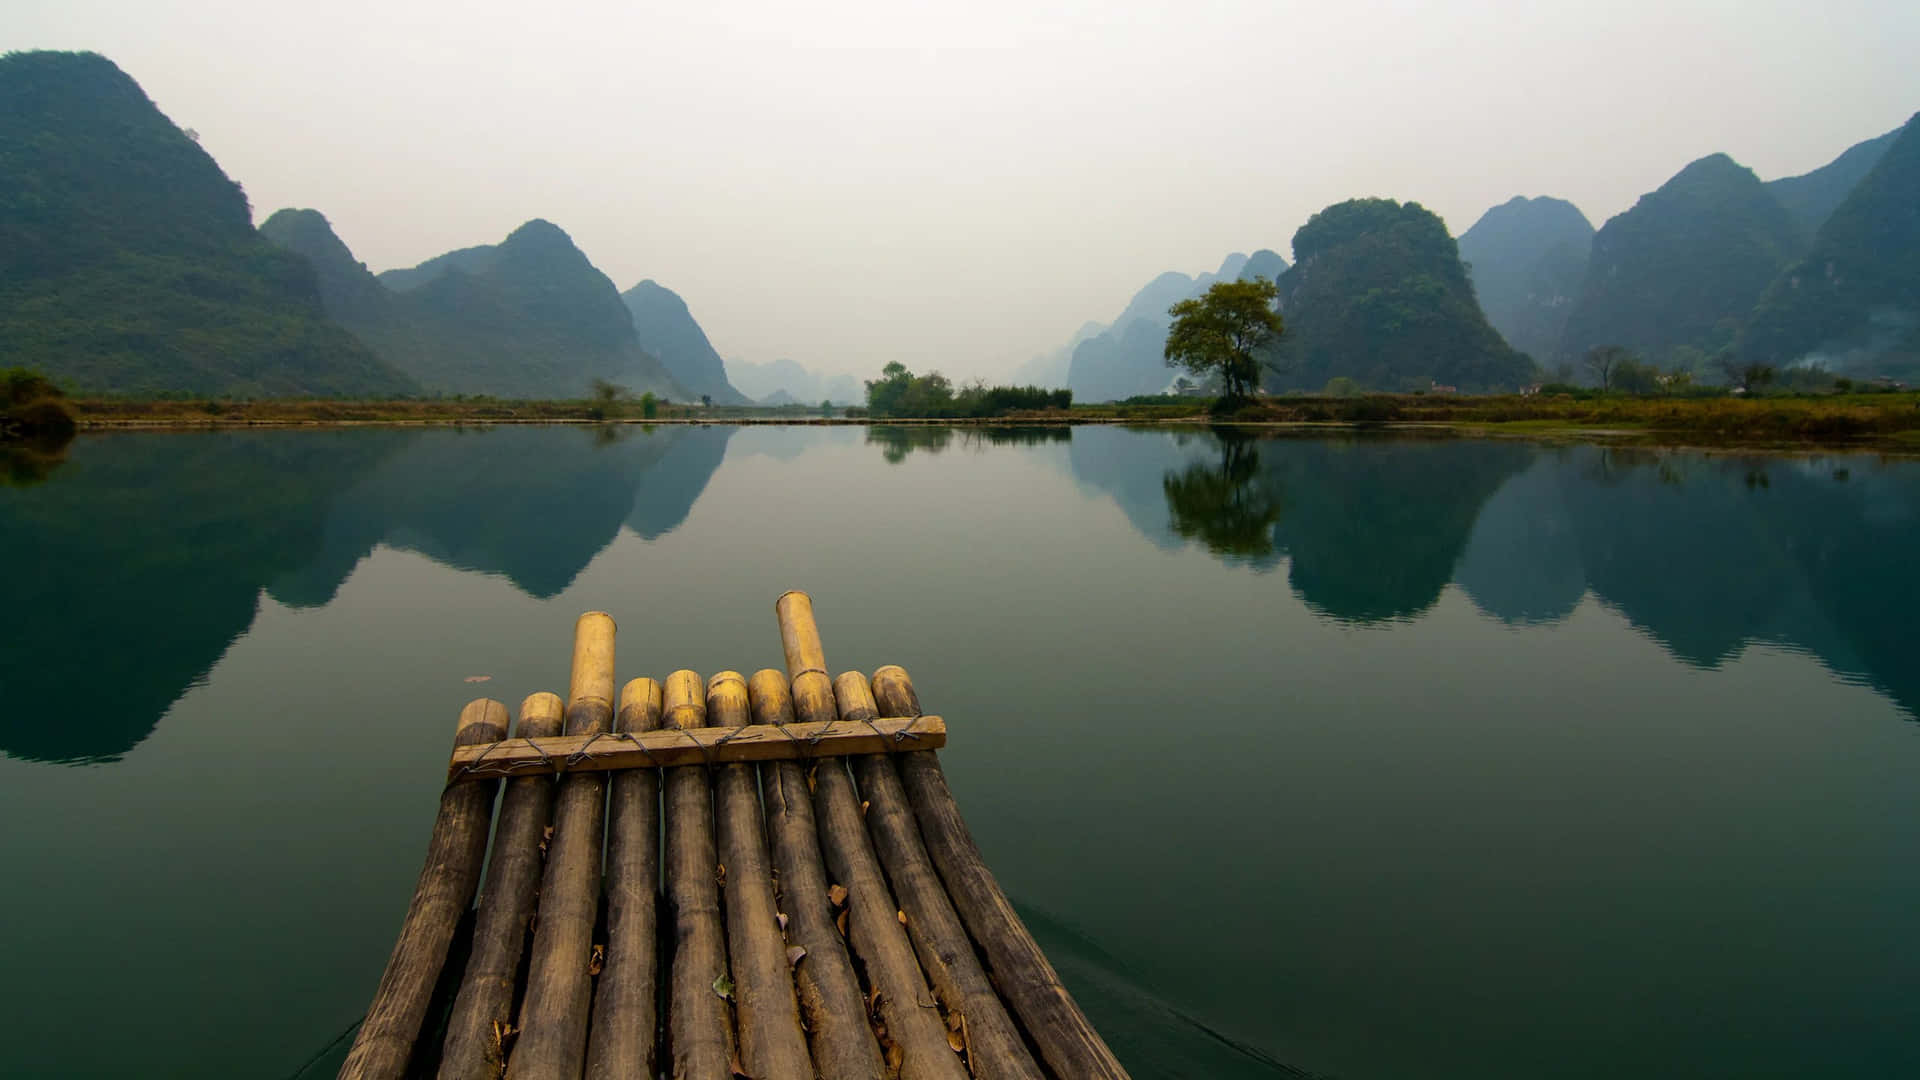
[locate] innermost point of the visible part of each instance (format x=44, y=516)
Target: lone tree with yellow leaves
x=1223, y=333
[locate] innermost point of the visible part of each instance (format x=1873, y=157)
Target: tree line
x=899, y=393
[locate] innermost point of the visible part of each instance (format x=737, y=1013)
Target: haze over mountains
x=666, y=329
x=785, y=382
x=129, y=265
x=1126, y=357
x=129, y=262
x=529, y=317
x=1528, y=260
x=1809, y=269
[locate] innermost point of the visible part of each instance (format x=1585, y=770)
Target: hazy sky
x=961, y=185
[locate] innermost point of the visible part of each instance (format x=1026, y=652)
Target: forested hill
x=668, y=330
x=529, y=317
x=1377, y=294
x=129, y=261
x=1853, y=304
x=1528, y=258
x=1674, y=277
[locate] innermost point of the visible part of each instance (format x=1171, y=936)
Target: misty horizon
x=959, y=190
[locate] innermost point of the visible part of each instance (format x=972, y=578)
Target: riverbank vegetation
x=899, y=393
x=1705, y=415
x=35, y=427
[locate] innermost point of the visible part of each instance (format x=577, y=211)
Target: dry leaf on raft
x=722, y=879
x=841, y=922
x=794, y=954
x=954, y=1040
x=598, y=961
x=903, y=917
x=836, y=895
x=782, y=916
x=723, y=986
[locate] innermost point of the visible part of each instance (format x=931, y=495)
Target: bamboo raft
x=763, y=878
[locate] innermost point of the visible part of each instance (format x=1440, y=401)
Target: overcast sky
x=961, y=185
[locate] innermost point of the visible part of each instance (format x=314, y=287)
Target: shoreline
x=1903, y=444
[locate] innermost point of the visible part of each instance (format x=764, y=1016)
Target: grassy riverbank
x=1891, y=419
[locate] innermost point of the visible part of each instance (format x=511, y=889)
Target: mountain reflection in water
x=155, y=550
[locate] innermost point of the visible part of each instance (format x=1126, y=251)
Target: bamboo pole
x=917, y=1038
x=384, y=1043
x=1026, y=980
x=478, y=1029
x=622, y=1040
x=771, y=1045
x=699, y=1030
x=828, y=989
x=553, y=1018
x=975, y=1016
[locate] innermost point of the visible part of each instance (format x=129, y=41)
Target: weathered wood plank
x=384, y=1043
x=1026, y=980
x=994, y=1048
x=829, y=992
x=671, y=747
x=477, y=1036
x=768, y=1017
x=916, y=1037
x=699, y=1023
x=622, y=1040
x=553, y=1018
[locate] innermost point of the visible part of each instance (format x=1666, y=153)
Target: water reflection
x=1703, y=553
x=1225, y=506
x=146, y=557
x=30, y=462
x=896, y=441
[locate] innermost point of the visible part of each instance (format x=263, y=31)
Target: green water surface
x=1356, y=758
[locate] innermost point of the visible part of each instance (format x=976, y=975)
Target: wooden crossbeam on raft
x=670, y=747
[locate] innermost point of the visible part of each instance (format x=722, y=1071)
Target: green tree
x=1224, y=332
x=649, y=405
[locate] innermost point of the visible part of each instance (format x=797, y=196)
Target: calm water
x=1358, y=758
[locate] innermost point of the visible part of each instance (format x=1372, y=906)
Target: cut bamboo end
x=772, y=701
x=686, y=700
x=856, y=701
x=541, y=716
x=483, y=720
x=727, y=704
x=592, y=659
x=642, y=703
x=894, y=693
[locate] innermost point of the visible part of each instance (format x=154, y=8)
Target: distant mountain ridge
x=1674, y=277
x=762, y=382
x=1811, y=198
x=1528, y=259
x=1128, y=357
x=129, y=262
x=1852, y=305
x=667, y=330
x=529, y=317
